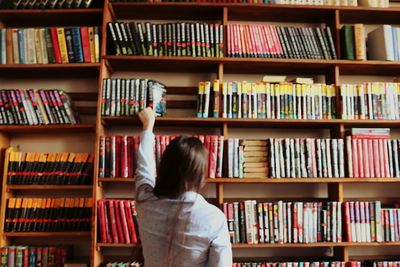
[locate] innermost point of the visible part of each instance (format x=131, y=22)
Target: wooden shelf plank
x=301, y=180
x=111, y=245
x=265, y=123
x=255, y=12
x=49, y=70
x=48, y=187
x=42, y=129
x=45, y=234
x=250, y=65
x=116, y=180
x=51, y=17
x=314, y=245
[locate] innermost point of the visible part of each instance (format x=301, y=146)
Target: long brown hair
x=182, y=168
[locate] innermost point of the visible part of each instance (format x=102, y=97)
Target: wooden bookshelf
x=45, y=234
x=300, y=180
x=41, y=129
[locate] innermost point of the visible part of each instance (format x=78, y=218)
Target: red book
x=118, y=162
x=375, y=152
x=118, y=218
x=366, y=156
x=134, y=216
x=85, y=44
x=386, y=158
x=54, y=39
x=347, y=220
x=113, y=221
x=136, y=142
x=163, y=144
x=26, y=257
x=381, y=158
x=124, y=222
x=212, y=167
x=124, y=157
x=131, y=224
x=101, y=221
x=131, y=162
x=360, y=158
x=107, y=220
x=371, y=158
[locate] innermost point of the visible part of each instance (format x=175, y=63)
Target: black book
x=321, y=43
x=8, y=107
x=178, y=40
x=5, y=118
x=162, y=37
x=143, y=40
x=298, y=42
x=154, y=44
x=169, y=39
x=286, y=41
x=325, y=41
x=303, y=39
x=117, y=48
x=129, y=39
x=310, y=43
x=331, y=43
x=292, y=42
x=120, y=39
x=174, y=40
x=149, y=38
x=70, y=46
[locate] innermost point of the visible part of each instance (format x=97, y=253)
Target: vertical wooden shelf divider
x=104, y=73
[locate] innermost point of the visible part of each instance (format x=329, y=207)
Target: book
x=32, y=255
x=61, y=214
x=273, y=222
x=172, y=39
x=380, y=43
x=127, y=97
x=50, y=45
x=35, y=168
x=109, y=211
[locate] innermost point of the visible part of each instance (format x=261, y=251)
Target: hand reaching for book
x=147, y=117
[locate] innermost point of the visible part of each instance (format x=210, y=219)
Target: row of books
x=370, y=100
x=35, y=168
x=36, y=4
x=117, y=222
x=48, y=214
x=281, y=222
x=383, y=43
x=370, y=153
x=368, y=222
x=35, y=107
x=270, y=41
x=370, y=3
x=50, y=45
x=298, y=264
x=118, y=154
x=168, y=39
x=285, y=158
x=242, y=99
x=45, y=256
x=127, y=97
x=124, y=264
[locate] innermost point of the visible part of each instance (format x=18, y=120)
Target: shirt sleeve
x=221, y=249
x=145, y=171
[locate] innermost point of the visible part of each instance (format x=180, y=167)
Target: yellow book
x=63, y=45
x=92, y=44
x=38, y=47
x=97, y=45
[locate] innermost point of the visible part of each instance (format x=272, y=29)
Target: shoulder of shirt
x=210, y=212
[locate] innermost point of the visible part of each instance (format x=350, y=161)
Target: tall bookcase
x=181, y=107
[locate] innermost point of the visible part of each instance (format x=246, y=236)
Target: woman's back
x=187, y=231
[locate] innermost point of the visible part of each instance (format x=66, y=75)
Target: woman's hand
x=147, y=117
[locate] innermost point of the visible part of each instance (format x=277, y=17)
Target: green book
x=347, y=42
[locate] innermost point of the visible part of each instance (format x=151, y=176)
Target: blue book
x=21, y=46
x=77, y=44
x=395, y=41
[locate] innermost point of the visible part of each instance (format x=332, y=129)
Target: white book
x=319, y=91
x=335, y=162
x=260, y=222
x=328, y=157
x=380, y=43
x=277, y=101
x=207, y=89
x=368, y=224
x=349, y=156
x=363, y=222
x=300, y=215
x=292, y=159
x=287, y=157
x=239, y=102
x=241, y=161
x=294, y=96
x=378, y=221
x=353, y=223
x=268, y=100
x=231, y=157
x=305, y=223
x=43, y=46
x=281, y=158
x=277, y=159
x=266, y=223
x=289, y=222
x=254, y=99
x=319, y=158
x=334, y=221
x=249, y=219
x=236, y=157
x=315, y=225
x=358, y=221
x=339, y=220
x=272, y=157
x=284, y=222
x=280, y=221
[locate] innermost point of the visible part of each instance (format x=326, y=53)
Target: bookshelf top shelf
x=300, y=180
x=250, y=65
x=51, y=17
x=45, y=234
x=254, y=12
x=44, y=129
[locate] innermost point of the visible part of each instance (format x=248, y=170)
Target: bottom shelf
x=45, y=234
